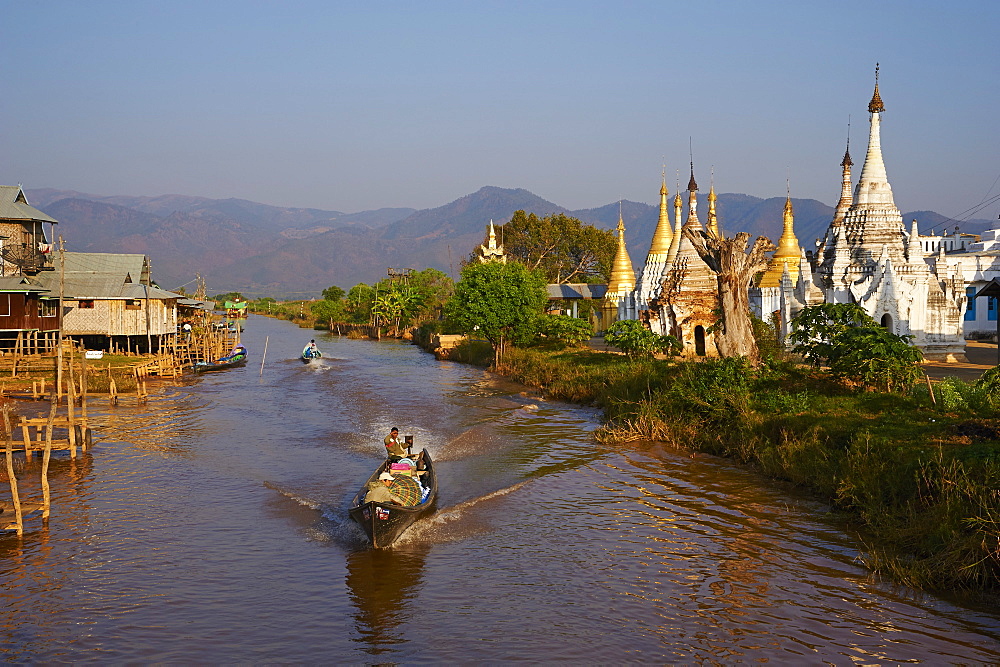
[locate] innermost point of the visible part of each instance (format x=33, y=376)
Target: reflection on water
x=211, y=526
x=383, y=586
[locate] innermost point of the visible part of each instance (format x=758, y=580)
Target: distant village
x=110, y=301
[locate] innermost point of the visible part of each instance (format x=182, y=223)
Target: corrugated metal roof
x=576, y=291
x=14, y=206
x=91, y=286
x=103, y=262
x=133, y=291
x=20, y=284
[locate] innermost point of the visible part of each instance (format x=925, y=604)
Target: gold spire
x=713, y=221
x=663, y=235
x=876, y=106
x=622, y=274
x=788, y=254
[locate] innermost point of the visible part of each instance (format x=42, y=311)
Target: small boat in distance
x=310, y=352
x=383, y=523
x=238, y=357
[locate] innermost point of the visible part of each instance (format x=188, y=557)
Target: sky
x=353, y=106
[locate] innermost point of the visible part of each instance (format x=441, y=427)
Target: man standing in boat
x=395, y=449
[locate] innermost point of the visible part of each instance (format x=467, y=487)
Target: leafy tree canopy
x=565, y=329
x=562, y=248
x=854, y=346
x=333, y=293
x=634, y=339
x=228, y=296
x=501, y=302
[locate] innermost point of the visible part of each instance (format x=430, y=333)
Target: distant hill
x=260, y=249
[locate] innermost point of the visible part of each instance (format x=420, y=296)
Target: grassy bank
x=920, y=479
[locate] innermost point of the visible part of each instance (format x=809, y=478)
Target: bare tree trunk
x=734, y=268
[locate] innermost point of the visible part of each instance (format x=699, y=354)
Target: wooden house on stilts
x=110, y=302
x=29, y=310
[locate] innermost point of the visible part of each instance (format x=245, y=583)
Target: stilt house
x=29, y=316
x=110, y=302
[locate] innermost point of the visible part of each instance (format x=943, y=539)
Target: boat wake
x=305, y=502
x=334, y=525
x=455, y=523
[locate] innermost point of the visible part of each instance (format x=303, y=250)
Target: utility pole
x=59, y=338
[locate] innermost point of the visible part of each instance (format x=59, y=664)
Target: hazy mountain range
x=265, y=250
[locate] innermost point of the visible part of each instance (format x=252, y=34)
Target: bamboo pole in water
x=263, y=356
x=18, y=518
x=46, y=494
x=71, y=407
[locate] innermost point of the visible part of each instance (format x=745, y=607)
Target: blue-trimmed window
x=970, y=310
x=991, y=309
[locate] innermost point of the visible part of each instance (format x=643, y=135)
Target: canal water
x=211, y=526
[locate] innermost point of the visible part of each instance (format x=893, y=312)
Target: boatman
x=394, y=448
x=403, y=487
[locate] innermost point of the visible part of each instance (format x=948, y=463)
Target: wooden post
x=71, y=408
x=46, y=495
x=26, y=434
x=263, y=356
x=18, y=517
x=59, y=338
x=930, y=388
x=84, y=382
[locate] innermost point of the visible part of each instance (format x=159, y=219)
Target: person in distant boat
x=311, y=350
x=394, y=447
x=403, y=487
x=378, y=492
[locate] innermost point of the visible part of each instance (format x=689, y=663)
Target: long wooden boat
x=236, y=358
x=310, y=354
x=383, y=523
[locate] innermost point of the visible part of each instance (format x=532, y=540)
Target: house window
x=85, y=303
x=970, y=310
x=4, y=304
x=132, y=304
x=991, y=309
x=48, y=307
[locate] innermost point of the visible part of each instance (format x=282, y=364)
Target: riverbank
x=917, y=477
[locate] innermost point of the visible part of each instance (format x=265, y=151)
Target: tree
x=395, y=304
x=565, y=329
x=636, y=340
x=564, y=249
x=333, y=293
x=734, y=267
x=501, y=302
x=235, y=297
x=854, y=346
x=435, y=288
x=327, y=311
x=359, y=303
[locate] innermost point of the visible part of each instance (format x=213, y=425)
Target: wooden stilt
x=26, y=435
x=46, y=495
x=9, y=451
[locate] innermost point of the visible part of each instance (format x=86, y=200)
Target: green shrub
x=637, y=341
x=855, y=347
x=564, y=329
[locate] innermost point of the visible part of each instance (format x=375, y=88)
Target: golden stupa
x=788, y=253
x=622, y=274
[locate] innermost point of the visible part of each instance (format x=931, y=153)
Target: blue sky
x=355, y=106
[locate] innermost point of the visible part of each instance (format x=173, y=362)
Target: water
x=210, y=526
